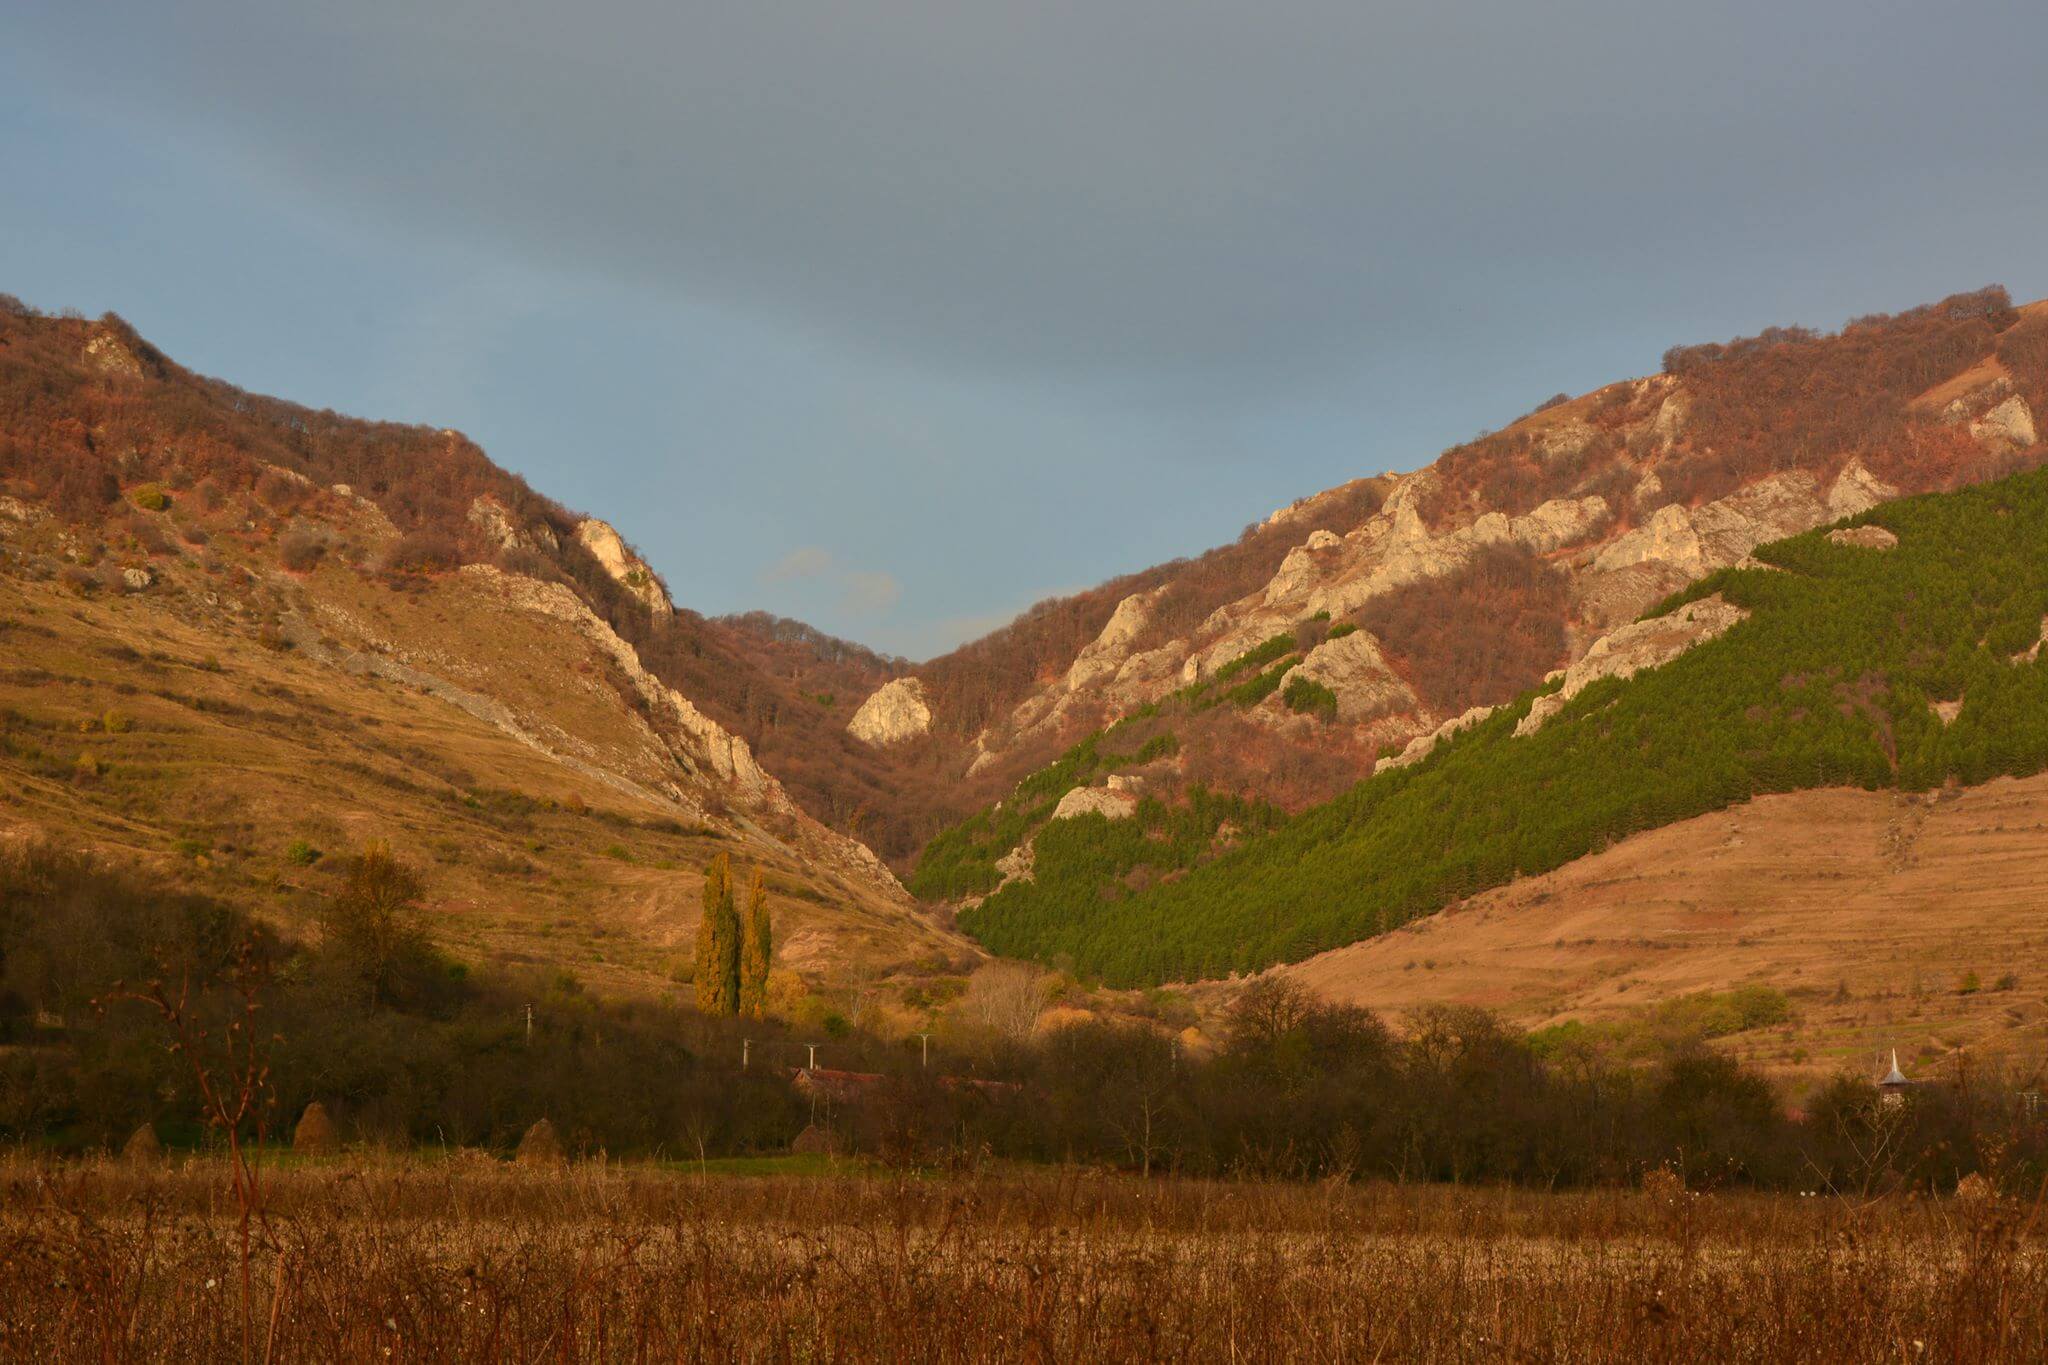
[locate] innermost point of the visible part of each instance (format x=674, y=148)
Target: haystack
x=815, y=1141
x=142, y=1148
x=316, y=1134
x=540, y=1146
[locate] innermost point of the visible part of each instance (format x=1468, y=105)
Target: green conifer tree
x=756, y=948
x=718, y=943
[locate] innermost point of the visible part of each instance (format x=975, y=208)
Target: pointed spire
x=1895, y=1076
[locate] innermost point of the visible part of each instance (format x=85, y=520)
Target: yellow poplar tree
x=756, y=947
x=718, y=943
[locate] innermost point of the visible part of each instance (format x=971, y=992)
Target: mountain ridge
x=1267, y=676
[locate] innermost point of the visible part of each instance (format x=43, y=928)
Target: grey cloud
x=1166, y=188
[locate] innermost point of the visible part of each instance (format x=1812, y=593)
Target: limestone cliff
x=627, y=569
x=896, y=712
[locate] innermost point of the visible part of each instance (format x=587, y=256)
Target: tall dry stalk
x=234, y=1091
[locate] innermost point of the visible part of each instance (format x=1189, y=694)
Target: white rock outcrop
x=1303, y=567
x=707, y=744
x=108, y=354
x=1668, y=538
x=1637, y=646
x=1407, y=553
x=1560, y=439
x=627, y=569
x=1353, y=667
x=1696, y=541
x=1419, y=747
x=495, y=521
x=1106, y=653
x=1864, y=537
x=14, y=509
x=1117, y=801
x=2008, y=426
x=896, y=711
x=1855, y=490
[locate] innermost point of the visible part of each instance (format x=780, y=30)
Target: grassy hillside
x=1831, y=681
x=164, y=733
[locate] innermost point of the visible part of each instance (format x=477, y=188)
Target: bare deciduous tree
x=1005, y=998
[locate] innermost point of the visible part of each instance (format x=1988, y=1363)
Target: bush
x=150, y=497
x=299, y=853
x=423, y=552
x=1256, y=657
x=1310, y=697
x=301, y=548
x=1256, y=690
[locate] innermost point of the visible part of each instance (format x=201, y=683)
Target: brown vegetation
x=469, y=1259
x=1792, y=398
x=1479, y=635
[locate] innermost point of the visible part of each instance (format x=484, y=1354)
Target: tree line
x=405, y=1048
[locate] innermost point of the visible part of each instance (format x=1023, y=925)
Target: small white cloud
x=863, y=592
x=806, y=561
x=869, y=593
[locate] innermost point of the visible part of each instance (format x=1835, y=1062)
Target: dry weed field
x=471, y=1259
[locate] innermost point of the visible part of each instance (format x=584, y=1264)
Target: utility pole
x=529, y=1023
x=746, y=1046
x=814, y=1056
x=925, y=1040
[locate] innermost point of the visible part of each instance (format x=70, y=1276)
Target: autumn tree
x=1005, y=998
x=372, y=933
x=756, y=948
x=718, y=943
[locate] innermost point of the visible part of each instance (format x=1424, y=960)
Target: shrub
x=150, y=497
x=423, y=552
x=1308, y=696
x=280, y=492
x=1256, y=657
x=299, y=853
x=301, y=549
x=1256, y=690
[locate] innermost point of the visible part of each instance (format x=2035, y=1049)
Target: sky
x=898, y=315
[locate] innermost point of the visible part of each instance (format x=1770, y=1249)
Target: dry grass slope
x=1868, y=908
x=157, y=730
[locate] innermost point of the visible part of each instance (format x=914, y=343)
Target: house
x=834, y=1087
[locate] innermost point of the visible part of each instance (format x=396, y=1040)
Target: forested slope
x=1831, y=680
